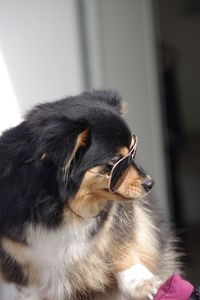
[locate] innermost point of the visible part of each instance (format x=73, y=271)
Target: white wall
x=40, y=52
x=124, y=33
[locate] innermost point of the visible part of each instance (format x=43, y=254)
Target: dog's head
x=83, y=137
x=68, y=148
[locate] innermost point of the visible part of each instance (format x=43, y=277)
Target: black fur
x=34, y=190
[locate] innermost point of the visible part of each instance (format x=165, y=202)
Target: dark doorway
x=179, y=59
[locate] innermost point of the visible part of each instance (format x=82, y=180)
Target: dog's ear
x=110, y=97
x=60, y=139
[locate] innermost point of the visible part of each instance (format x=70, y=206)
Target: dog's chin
x=122, y=197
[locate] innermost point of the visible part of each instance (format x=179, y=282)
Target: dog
x=75, y=218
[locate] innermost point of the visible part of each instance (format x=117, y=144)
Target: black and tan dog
x=73, y=219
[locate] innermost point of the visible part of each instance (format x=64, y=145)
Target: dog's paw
x=146, y=290
x=138, y=283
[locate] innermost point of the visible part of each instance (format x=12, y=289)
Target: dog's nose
x=147, y=184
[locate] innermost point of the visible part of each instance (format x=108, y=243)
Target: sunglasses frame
x=131, y=153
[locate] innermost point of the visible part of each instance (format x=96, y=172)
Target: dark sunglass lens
x=119, y=173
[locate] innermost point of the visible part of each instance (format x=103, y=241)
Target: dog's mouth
x=116, y=196
x=128, y=194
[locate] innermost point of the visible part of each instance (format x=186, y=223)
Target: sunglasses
x=120, y=168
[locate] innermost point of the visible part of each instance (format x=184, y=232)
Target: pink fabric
x=174, y=288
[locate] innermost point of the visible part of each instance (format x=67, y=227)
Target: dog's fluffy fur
x=63, y=235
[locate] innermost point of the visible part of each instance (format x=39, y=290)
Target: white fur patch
x=54, y=253
x=130, y=278
x=10, y=292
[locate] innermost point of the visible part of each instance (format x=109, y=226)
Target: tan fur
x=132, y=186
x=123, y=151
x=99, y=274
x=143, y=247
x=123, y=110
x=15, y=249
x=80, y=142
x=82, y=139
x=21, y=253
x=132, y=142
x=145, y=241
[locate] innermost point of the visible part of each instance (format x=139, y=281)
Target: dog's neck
x=86, y=207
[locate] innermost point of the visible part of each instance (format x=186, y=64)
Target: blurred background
x=149, y=50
